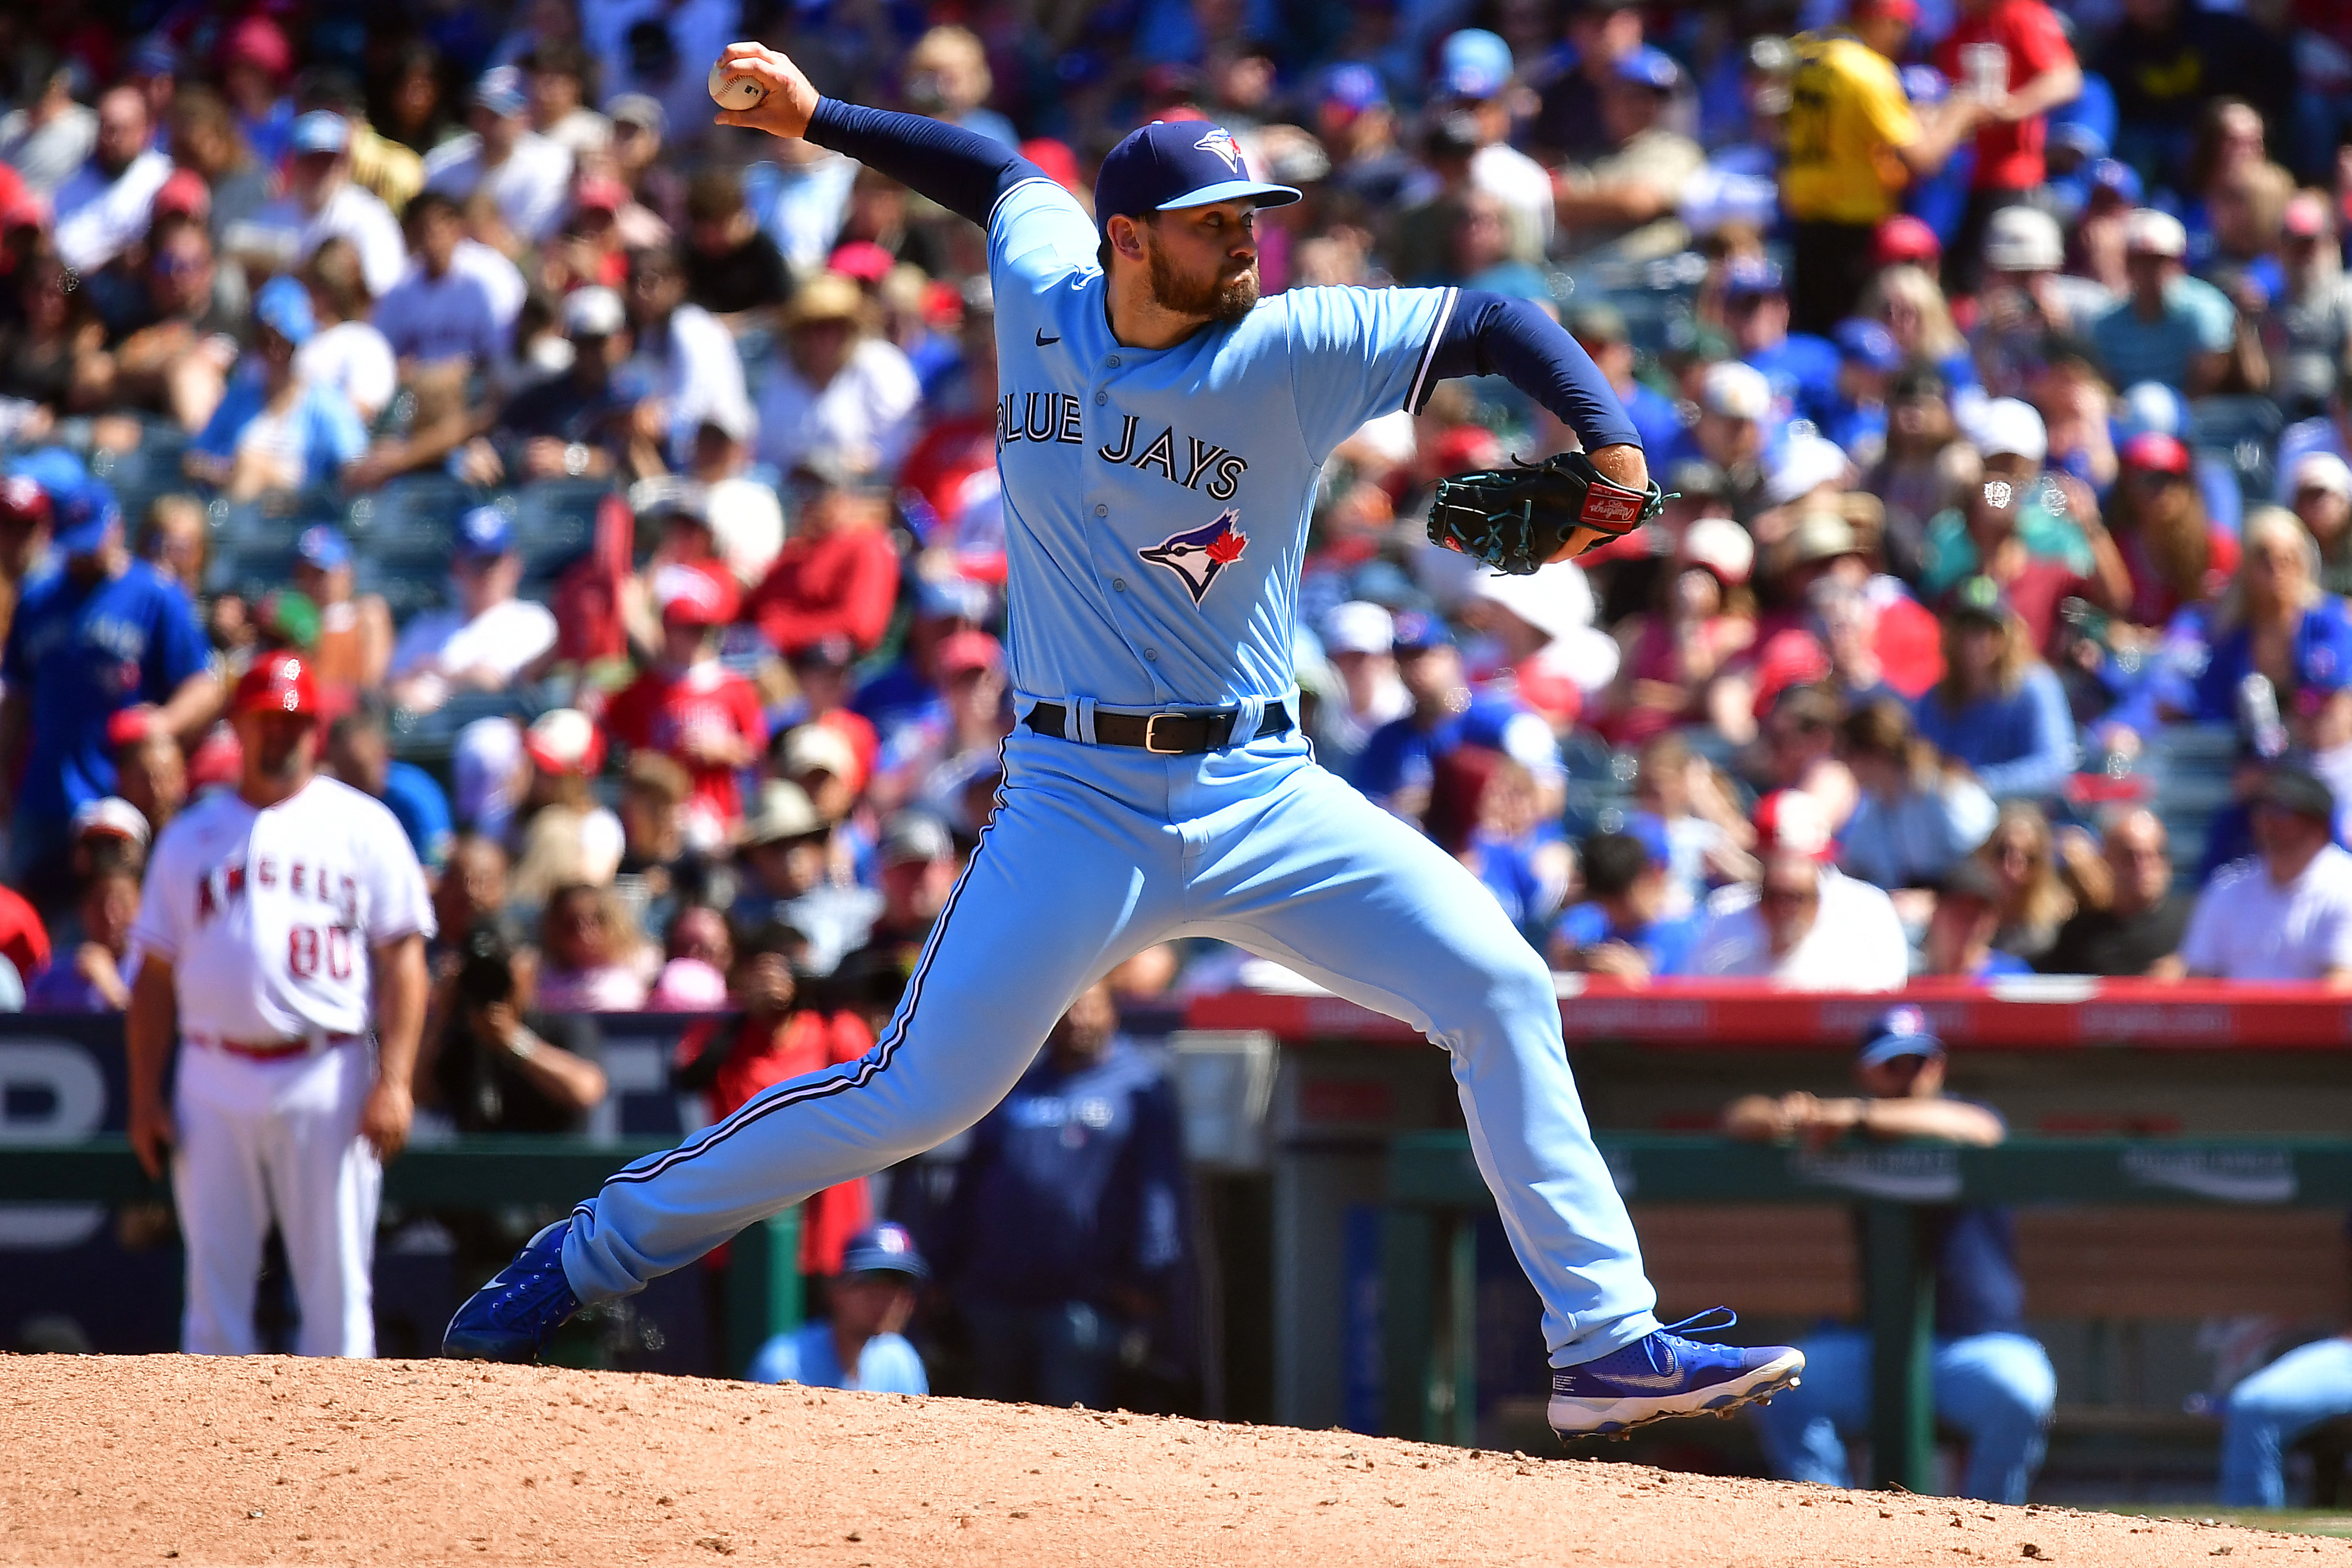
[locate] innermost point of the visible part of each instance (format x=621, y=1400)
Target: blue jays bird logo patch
x=1198, y=556
x=1219, y=141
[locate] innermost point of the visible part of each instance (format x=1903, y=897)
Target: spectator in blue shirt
x=273, y=429
x=1622, y=928
x=2210, y=650
x=1068, y=1224
x=1914, y=818
x=1397, y=765
x=1999, y=709
x=1868, y=359
x=101, y=634
x=857, y=1343
x=358, y=749
x=1802, y=369
x=2171, y=327
x=1990, y=1379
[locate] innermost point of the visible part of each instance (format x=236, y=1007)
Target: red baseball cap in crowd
x=565, y=740
x=968, y=650
x=1055, y=160
x=130, y=726
x=1903, y=238
x=2154, y=451
x=185, y=193
x=1904, y=11
x=257, y=41
x=22, y=502
x=1791, y=821
x=1465, y=448
x=599, y=194
x=862, y=259
x=692, y=596
x=278, y=683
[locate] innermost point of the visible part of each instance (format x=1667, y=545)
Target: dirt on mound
x=120, y=1460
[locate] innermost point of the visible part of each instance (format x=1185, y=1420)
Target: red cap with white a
x=1791, y=821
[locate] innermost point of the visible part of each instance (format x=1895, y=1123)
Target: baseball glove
x=1516, y=518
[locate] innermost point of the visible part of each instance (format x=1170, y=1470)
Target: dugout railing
x=1436, y=1196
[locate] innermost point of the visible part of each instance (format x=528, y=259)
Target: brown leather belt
x=1175, y=734
x=270, y=1050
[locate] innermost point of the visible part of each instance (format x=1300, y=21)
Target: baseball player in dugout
x=1161, y=430
x=281, y=990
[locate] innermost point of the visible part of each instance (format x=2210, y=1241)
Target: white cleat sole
x=1573, y=1417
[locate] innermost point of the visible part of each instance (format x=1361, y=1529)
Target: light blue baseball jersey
x=1156, y=500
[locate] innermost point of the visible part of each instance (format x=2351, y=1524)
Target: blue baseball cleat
x=1663, y=1375
x=510, y=1318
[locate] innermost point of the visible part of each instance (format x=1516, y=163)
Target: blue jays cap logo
x=1198, y=556
x=1221, y=142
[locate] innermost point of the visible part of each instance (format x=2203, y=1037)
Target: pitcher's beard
x=1226, y=299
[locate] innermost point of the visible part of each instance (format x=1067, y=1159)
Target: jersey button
x=1102, y=511
x=1119, y=585
x=1151, y=656
x=1101, y=398
x=1114, y=361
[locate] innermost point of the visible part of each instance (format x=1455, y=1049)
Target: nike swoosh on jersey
x=1043, y=339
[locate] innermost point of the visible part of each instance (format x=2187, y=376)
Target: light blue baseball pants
x=2271, y=1409
x=1998, y=1388
x=1095, y=853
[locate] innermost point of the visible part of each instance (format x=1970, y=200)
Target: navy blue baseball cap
x=322, y=545
x=1864, y=340
x=883, y=1248
x=1174, y=163
x=1418, y=631
x=485, y=531
x=84, y=515
x=1894, y=1034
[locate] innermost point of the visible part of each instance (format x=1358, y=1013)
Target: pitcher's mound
x=122, y=1460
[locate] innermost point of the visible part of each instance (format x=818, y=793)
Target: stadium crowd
x=630, y=486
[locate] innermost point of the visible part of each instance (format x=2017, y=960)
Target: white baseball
x=733, y=91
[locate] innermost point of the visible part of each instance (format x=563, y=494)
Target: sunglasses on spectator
x=1788, y=897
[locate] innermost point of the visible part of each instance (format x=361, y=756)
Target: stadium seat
x=555, y=523
x=2243, y=431
x=411, y=520
x=429, y=738
x=2190, y=766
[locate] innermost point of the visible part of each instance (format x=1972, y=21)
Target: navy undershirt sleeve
x=963, y=172
x=1490, y=335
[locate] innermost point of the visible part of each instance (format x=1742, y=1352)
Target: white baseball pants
x=276, y=1138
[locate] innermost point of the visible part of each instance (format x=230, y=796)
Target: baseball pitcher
x=1160, y=432
x=279, y=918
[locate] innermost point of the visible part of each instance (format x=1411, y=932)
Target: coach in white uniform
x=273, y=914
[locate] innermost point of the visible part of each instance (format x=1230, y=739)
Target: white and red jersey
x=665, y=711
x=268, y=916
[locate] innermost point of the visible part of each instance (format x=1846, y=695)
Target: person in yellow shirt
x=1853, y=142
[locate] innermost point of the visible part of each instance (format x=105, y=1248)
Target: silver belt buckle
x=1151, y=735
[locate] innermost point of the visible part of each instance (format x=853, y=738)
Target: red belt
x=270, y=1050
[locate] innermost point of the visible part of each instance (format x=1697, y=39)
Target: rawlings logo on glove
x=1518, y=519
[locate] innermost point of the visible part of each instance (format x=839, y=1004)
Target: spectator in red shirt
x=962, y=440
x=2034, y=72
x=779, y=1036
x=839, y=572
x=690, y=707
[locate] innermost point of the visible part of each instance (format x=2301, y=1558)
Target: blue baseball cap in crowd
x=1750, y=276
x=1174, y=163
x=1925, y=84
x=322, y=130
x=1894, y=1034
x=84, y=515
x=283, y=305
x=1474, y=63
x=1868, y=344
x=323, y=546
x=499, y=90
x=1353, y=86
x=952, y=598
x=1649, y=830
x=2114, y=174
x=1651, y=67
x=883, y=1248
x=1418, y=631
x=483, y=531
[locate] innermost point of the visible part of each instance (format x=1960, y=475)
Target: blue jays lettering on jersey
x=1157, y=500
x=82, y=652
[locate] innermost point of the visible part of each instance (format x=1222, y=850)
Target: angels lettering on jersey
x=222, y=886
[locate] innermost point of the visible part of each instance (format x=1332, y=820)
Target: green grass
x=2295, y=1520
